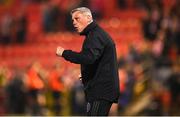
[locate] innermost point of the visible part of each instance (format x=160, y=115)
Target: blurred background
x=33, y=81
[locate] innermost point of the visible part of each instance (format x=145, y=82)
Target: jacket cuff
x=64, y=54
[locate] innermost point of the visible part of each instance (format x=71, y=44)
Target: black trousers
x=98, y=108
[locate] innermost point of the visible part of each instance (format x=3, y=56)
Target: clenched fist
x=59, y=51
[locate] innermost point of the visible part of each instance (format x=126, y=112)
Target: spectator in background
x=171, y=41
x=5, y=74
x=53, y=19
x=97, y=7
x=35, y=85
x=151, y=25
x=21, y=26
x=158, y=44
x=56, y=15
x=7, y=23
x=46, y=17
x=78, y=98
x=122, y=4
x=16, y=95
x=150, y=4
x=56, y=86
x=174, y=85
x=85, y=3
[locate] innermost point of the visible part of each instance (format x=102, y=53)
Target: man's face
x=80, y=21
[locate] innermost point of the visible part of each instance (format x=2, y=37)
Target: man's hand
x=80, y=77
x=59, y=51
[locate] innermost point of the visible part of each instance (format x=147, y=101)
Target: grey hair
x=83, y=10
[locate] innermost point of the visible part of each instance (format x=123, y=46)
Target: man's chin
x=79, y=31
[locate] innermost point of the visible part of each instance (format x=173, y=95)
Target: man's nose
x=74, y=22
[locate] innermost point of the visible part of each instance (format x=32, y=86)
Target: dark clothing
x=56, y=95
x=98, y=108
x=21, y=29
x=98, y=64
x=16, y=97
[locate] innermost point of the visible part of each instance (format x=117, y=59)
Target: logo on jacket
x=88, y=107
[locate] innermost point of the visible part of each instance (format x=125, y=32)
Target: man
x=98, y=63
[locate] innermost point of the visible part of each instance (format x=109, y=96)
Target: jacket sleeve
x=93, y=49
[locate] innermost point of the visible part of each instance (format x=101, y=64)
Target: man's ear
x=89, y=18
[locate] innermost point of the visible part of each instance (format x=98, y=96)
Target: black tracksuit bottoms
x=98, y=108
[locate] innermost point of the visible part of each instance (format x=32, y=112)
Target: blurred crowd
x=155, y=67
x=149, y=74
x=39, y=91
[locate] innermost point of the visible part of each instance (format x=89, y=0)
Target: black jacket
x=98, y=64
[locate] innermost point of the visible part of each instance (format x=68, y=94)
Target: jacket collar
x=89, y=27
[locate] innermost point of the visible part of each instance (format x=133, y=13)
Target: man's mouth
x=76, y=28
